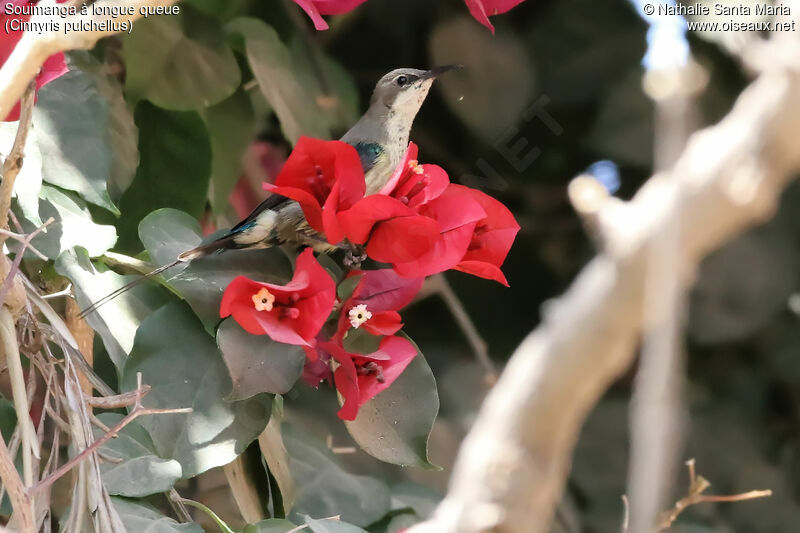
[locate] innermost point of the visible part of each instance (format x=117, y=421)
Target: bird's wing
x=271, y=203
x=369, y=153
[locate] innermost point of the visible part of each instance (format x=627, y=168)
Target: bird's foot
x=355, y=256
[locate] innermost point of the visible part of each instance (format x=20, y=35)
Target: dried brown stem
x=135, y=413
x=13, y=162
x=698, y=485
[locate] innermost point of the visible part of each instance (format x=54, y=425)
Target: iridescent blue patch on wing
x=369, y=153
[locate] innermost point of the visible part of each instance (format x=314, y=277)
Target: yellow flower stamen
x=263, y=300
x=358, y=315
x=415, y=166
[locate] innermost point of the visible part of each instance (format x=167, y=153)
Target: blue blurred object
x=607, y=173
x=667, y=46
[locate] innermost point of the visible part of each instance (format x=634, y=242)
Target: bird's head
x=404, y=90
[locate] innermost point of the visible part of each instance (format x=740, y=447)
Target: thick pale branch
x=511, y=469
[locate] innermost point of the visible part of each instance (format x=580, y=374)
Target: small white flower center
x=358, y=315
x=263, y=300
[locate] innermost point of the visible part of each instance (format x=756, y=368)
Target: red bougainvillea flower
x=389, y=221
x=359, y=378
x=292, y=313
x=324, y=177
x=316, y=8
x=393, y=231
x=414, y=184
x=457, y=214
x=483, y=9
x=53, y=67
x=491, y=239
x=375, y=301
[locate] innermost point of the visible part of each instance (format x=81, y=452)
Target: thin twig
x=135, y=413
x=8, y=337
x=698, y=485
x=19, y=237
x=125, y=399
x=14, y=270
x=439, y=285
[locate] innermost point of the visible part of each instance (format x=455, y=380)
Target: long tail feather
x=125, y=288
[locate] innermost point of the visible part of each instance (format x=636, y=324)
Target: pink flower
x=293, y=313
x=53, y=67
x=316, y=8
x=483, y=9
x=375, y=303
x=324, y=177
x=359, y=378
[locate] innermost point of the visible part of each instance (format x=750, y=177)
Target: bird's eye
x=402, y=80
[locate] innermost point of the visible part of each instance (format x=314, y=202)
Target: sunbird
x=380, y=137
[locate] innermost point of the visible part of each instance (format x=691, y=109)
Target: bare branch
x=13, y=162
x=137, y=411
x=512, y=466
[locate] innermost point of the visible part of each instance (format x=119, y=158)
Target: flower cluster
x=480, y=9
x=53, y=67
x=417, y=225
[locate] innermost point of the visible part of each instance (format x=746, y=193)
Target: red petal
x=311, y=10
x=311, y=208
x=384, y=290
x=335, y=7
x=482, y=270
x=445, y=254
x=401, y=170
x=383, y=323
x=358, y=221
x=402, y=239
x=401, y=351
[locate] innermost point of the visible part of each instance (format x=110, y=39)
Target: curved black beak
x=435, y=72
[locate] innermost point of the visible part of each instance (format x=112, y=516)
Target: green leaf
x=69, y=126
x=331, y=86
x=174, y=145
x=270, y=526
x=138, y=517
x=117, y=320
x=167, y=232
x=419, y=498
x=256, y=363
x=174, y=170
x=29, y=180
x=360, y=342
x=395, y=425
x=272, y=65
x=121, y=132
x=230, y=124
x=73, y=226
x=181, y=363
x=135, y=469
x=179, y=62
x=8, y=418
x=348, y=286
x=331, y=526
x=324, y=489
